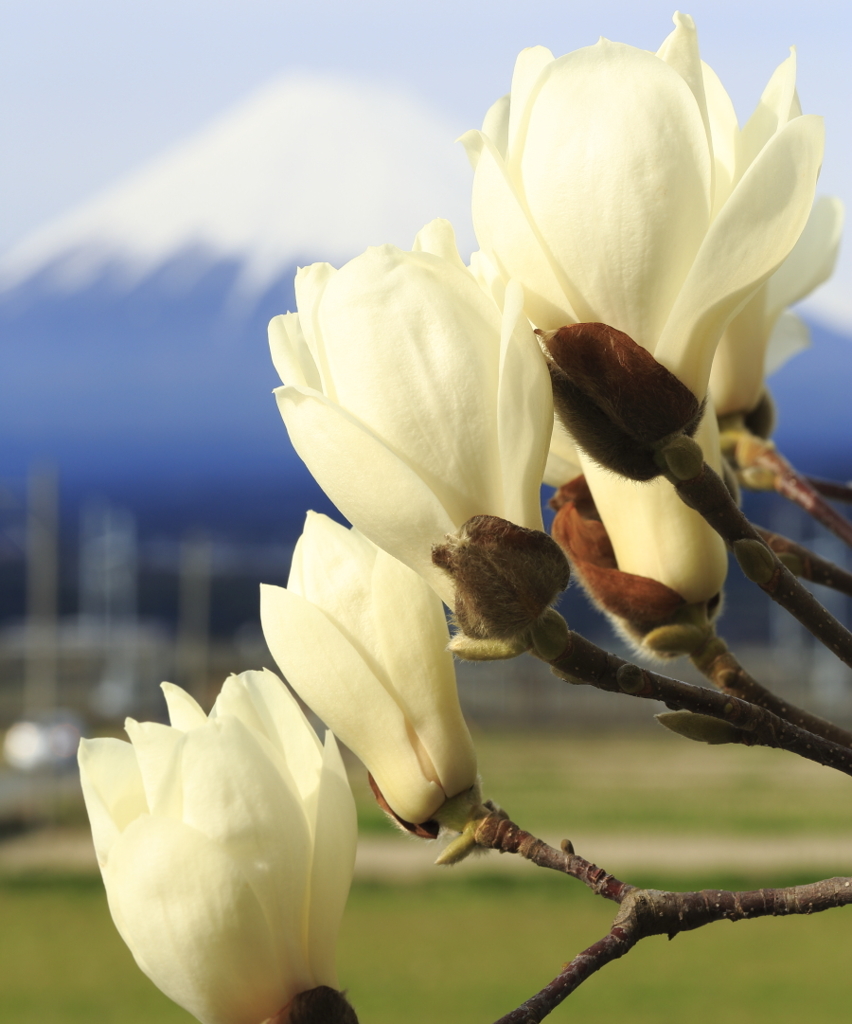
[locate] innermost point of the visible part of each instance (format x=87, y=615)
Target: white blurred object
x=31, y=745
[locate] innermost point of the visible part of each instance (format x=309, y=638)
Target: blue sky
x=92, y=88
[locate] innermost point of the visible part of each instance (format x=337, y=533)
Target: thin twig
x=643, y=912
x=586, y=663
x=751, y=452
x=720, y=666
x=709, y=496
x=806, y=564
x=832, y=489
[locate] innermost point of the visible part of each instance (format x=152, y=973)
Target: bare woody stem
x=831, y=489
x=585, y=663
x=643, y=912
x=750, y=452
x=806, y=564
x=709, y=496
x=720, y=666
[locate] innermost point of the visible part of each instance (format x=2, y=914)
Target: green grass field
x=466, y=950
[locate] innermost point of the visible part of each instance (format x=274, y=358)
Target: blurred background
x=168, y=166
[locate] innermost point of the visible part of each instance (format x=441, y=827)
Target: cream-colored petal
x=680, y=51
x=330, y=676
x=383, y=496
x=563, y=457
x=725, y=132
x=414, y=345
x=158, y=752
x=195, y=926
x=773, y=111
x=290, y=353
x=789, y=337
x=413, y=638
x=524, y=414
x=525, y=81
x=496, y=124
x=264, y=704
x=812, y=258
x=736, y=376
x=616, y=171
x=184, y=711
x=510, y=241
x=112, y=788
x=753, y=234
x=488, y=277
x=655, y=534
x=336, y=832
x=439, y=239
x=310, y=285
x=235, y=795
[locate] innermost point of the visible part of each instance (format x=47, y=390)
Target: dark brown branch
x=586, y=663
x=643, y=912
x=831, y=489
x=709, y=496
x=750, y=452
x=806, y=564
x=717, y=663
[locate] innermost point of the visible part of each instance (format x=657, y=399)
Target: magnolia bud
x=615, y=399
x=505, y=576
x=701, y=728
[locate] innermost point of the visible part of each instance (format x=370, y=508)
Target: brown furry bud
x=615, y=399
x=505, y=576
x=322, y=1005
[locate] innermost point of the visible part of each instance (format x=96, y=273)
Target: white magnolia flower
x=654, y=534
x=226, y=846
x=761, y=338
x=612, y=183
x=412, y=400
x=362, y=639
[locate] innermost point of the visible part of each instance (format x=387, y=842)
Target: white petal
x=812, y=259
x=310, y=285
x=753, y=234
x=355, y=468
x=510, y=241
x=413, y=638
x=488, y=277
x=264, y=704
x=235, y=795
x=775, y=108
x=789, y=337
x=616, y=171
x=195, y=926
x=655, y=534
x=158, y=751
x=330, y=676
x=563, y=460
x=736, y=376
x=184, y=711
x=414, y=348
x=680, y=52
x=336, y=832
x=112, y=789
x=524, y=414
x=439, y=238
x=525, y=80
x=724, y=131
x=496, y=124
x=290, y=353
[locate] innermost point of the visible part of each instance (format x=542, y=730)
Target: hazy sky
x=92, y=88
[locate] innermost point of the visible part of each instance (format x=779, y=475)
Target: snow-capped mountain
x=305, y=168
x=134, y=327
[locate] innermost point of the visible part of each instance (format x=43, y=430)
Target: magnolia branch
x=751, y=453
x=642, y=912
x=806, y=564
x=720, y=666
x=584, y=662
x=831, y=489
x=708, y=495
